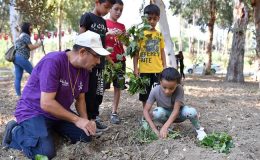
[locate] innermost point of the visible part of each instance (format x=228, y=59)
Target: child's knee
x=189, y=112
x=159, y=114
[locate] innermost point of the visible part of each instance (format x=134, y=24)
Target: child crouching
x=169, y=96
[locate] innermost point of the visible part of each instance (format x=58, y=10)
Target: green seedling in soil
x=41, y=157
x=222, y=142
x=137, y=84
x=146, y=135
x=174, y=134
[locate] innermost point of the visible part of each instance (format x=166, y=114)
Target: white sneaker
x=201, y=134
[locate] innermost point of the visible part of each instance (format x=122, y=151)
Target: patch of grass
x=222, y=142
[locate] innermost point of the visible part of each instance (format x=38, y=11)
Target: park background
x=225, y=105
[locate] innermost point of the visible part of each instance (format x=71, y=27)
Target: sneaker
x=100, y=126
x=7, y=137
x=98, y=133
x=114, y=119
x=201, y=134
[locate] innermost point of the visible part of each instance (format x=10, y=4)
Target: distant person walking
x=180, y=59
x=23, y=47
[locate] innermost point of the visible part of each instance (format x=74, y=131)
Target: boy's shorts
x=116, y=81
x=154, y=81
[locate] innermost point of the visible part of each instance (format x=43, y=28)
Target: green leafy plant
x=137, y=84
x=133, y=36
x=112, y=71
x=146, y=135
x=41, y=157
x=221, y=142
x=174, y=134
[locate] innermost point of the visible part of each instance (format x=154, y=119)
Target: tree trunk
x=164, y=27
x=2, y=21
x=236, y=59
x=180, y=34
x=60, y=23
x=191, y=38
x=256, y=6
x=14, y=21
x=211, y=33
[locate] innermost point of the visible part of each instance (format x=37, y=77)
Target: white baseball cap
x=92, y=40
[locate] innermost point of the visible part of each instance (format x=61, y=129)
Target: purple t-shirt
x=51, y=75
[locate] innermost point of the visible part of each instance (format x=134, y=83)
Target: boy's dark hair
x=110, y=1
x=119, y=2
x=152, y=9
x=170, y=74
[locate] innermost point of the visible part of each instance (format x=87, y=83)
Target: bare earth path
x=223, y=107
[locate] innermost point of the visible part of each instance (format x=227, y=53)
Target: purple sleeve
x=49, y=76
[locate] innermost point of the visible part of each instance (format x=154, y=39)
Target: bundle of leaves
x=112, y=71
x=137, y=84
x=133, y=36
x=221, y=142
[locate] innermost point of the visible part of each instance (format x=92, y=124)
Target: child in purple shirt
x=56, y=81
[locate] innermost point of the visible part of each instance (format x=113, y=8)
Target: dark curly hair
x=25, y=28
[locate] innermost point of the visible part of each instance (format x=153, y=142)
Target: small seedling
x=146, y=135
x=41, y=157
x=174, y=134
x=221, y=142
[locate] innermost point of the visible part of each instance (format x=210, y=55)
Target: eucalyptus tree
x=256, y=7
x=207, y=13
x=4, y=12
x=38, y=12
x=73, y=11
x=236, y=59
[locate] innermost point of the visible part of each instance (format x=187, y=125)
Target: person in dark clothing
x=179, y=59
x=94, y=22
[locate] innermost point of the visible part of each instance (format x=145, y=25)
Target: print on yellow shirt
x=150, y=60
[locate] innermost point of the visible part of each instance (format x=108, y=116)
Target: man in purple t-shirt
x=56, y=81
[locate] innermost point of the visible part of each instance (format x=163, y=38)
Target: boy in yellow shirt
x=150, y=59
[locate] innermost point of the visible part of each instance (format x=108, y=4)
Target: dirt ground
x=223, y=107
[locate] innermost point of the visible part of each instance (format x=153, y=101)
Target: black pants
x=154, y=81
x=94, y=96
x=181, y=72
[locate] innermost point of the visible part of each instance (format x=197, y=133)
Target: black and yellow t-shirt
x=150, y=56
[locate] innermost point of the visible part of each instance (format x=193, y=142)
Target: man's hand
x=89, y=127
x=114, y=32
